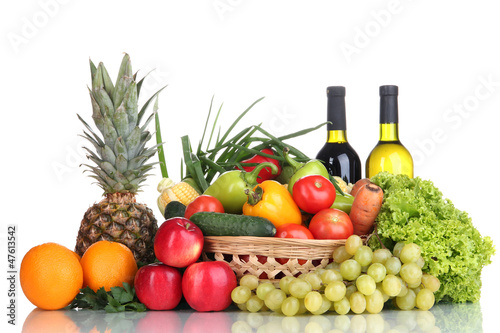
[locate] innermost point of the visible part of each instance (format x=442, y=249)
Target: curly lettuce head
x=414, y=210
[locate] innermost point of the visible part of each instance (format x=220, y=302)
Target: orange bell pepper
x=272, y=201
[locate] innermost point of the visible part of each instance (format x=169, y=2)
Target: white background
x=443, y=55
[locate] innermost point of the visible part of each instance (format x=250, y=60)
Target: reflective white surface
x=441, y=318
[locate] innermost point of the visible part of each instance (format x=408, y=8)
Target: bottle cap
x=336, y=108
x=335, y=91
x=388, y=90
x=389, y=104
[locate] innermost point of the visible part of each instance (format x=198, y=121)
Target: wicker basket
x=257, y=255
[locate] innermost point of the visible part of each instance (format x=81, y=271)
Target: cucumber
x=224, y=224
x=174, y=209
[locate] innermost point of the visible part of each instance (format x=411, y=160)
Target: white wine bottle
x=339, y=158
x=389, y=154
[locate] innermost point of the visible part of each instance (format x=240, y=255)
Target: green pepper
x=312, y=167
x=285, y=175
x=230, y=187
x=343, y=202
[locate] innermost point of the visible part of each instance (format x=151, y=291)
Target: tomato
x=292, y=230
x=204, y=203
x=331, y=223
x=313, y=193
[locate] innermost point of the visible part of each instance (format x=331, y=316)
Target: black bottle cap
x=335, y=91
x=389, y=104
x=388, y=90
x=336, y=108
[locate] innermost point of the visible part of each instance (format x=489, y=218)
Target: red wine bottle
x=337, y=155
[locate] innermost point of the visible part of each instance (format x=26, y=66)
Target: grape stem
x=374, y=233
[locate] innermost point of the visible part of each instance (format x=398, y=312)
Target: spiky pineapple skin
x=120, y=219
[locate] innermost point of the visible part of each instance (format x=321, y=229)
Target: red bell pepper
x=265, y=173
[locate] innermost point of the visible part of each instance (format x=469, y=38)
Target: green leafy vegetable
x=225, y=152
x=414, y=210
x=119, y=299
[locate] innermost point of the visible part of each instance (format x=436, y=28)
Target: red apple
x=178, y=242
x=158, y=286
x=160, y=322
x=207, y=285
x=208, y=322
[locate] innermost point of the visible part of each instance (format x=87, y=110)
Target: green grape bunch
x=359, y=280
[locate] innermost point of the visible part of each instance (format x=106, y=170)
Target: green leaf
x=97, y=82
x=193, y=166
x=120, y=148
x=120, y=89
x=145, y=106
x=141, y=81
x=121, y=163
x=109, y=132
x=93, y=70
x=119, y=299
x=125, y=67
x=130, y=104
x=213, y=127
x=122, y=295
x=239, y=118
x=159, y=141
x=206, y=125
x=133, y=142
x=136, y=306
x=108, y=83
x=121, y=122
x=108, y=155
x=96, y=137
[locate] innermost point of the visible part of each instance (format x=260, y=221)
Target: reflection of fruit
x=104, y=322
x=207, y=285
x=160, y=322
x=178, y=242
x=108, y=264
x=95, y=330
x=120, y=165
x=158, y=286
x=214, y=322
x=50, y=276
x=40, y=321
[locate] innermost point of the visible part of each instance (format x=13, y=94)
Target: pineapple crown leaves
x=120, y=153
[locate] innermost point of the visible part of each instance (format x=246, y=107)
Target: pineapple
x=120, y=168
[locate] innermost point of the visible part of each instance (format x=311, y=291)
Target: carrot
x=358, y=185
x=365, y=208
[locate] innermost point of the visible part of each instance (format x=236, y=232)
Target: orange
x=108, y=264
x=51, y=276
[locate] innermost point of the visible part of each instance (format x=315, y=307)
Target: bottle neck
x=336, y=113
x=389, y=132
x=389, y=109
x=336, y=136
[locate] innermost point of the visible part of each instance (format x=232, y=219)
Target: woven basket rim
x=243, y=240
x=303, y=255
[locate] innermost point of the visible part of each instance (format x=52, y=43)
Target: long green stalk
x=159, y=141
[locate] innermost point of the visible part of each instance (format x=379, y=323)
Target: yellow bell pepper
x=272, y=201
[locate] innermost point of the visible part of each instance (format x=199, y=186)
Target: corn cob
x=343, y=185
x=170, y=191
